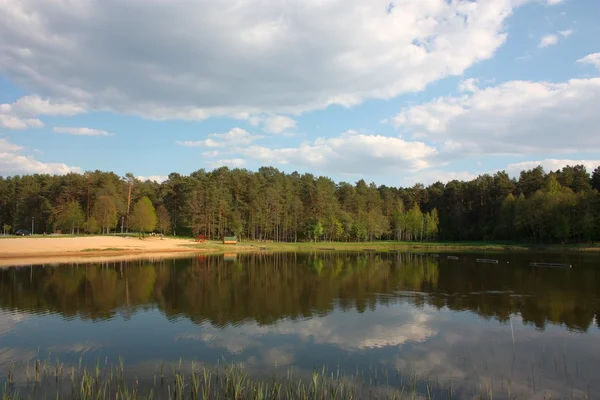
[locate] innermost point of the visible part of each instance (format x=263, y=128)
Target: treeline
x=538, y=207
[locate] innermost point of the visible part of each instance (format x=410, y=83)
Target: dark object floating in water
x=452, y=258
x=550, y=265
x=486, y=260
x=326, y=248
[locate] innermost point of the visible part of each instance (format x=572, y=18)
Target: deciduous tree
x=143, y=217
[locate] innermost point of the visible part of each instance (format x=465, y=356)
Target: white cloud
x=516, y=117
x=18, y=115
x=349, y=153
x=35, y=106
x=231, y=163
x=81, y=131
x=550, y=164
x=13, y=122
x=274, y=124
x=548, y=40
x=552, y=39
x=235, y=137
x=154, y=63
x=566, y=33
x=468, y=85
x=6, y=146
x=153, y=178
x=554, y=2
x=211, y=154
x=428, y=177
x=592, y=59
x=14, y=163
x=278, y=124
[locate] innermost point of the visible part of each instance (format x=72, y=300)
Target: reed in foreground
x=55, y=380
x=52, y=379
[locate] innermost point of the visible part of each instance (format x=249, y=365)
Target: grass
x=191, y=380
x=385, y=246
x=352, y=246
x=53, y=379
x=222, y=381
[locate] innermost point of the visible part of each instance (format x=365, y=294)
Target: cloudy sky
x=395, y=92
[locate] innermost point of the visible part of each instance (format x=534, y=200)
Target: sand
x=36, y=250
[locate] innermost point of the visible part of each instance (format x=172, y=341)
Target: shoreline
x=42, y=250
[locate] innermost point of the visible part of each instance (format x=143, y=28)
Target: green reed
x=53, y=379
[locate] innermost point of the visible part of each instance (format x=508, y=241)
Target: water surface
x=520, y=330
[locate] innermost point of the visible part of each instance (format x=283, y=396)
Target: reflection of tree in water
x=269, y=287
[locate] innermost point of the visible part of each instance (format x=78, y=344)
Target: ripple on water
x=9, y=319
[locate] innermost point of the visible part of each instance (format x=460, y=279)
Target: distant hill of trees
x=538, y=207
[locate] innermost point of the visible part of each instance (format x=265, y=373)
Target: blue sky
x=430, y=90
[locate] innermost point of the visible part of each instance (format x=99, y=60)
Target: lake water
x=509, y=328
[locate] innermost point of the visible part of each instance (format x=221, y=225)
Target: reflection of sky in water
x=459, y=347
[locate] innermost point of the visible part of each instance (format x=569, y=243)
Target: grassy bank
x=243, y=246
x=389, y=245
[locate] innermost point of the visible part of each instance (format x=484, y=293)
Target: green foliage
x=317, y=230
x=143, y=217
x=91, y=226
x=6, y=229
x=538, y=207
x=105, y=212
x=69, y=216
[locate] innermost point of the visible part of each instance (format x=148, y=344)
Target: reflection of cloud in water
x=8, y=320
x=384, y=327
x=550, y=364
x=79, y=348
x=471, y=353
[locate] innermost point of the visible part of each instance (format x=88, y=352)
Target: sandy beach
x=25, y=251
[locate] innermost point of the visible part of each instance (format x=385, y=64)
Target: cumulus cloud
x=550, y=164
x=430, y=176
x=552, y=39
x=235, y=137
x=468, y=85
x=349, y=153
x=548, y=40
x=153, y=178
x=81, y=131
x=13, y=122
x=35, y=106
x=265, y=57
x=516, y=117
x=278, y=124
x=231, y=163
x=592, y=59
x=12, y=162
x=19, y=115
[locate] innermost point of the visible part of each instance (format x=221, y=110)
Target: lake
x=382, y=319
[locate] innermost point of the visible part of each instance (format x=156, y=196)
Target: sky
x=394, y=92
